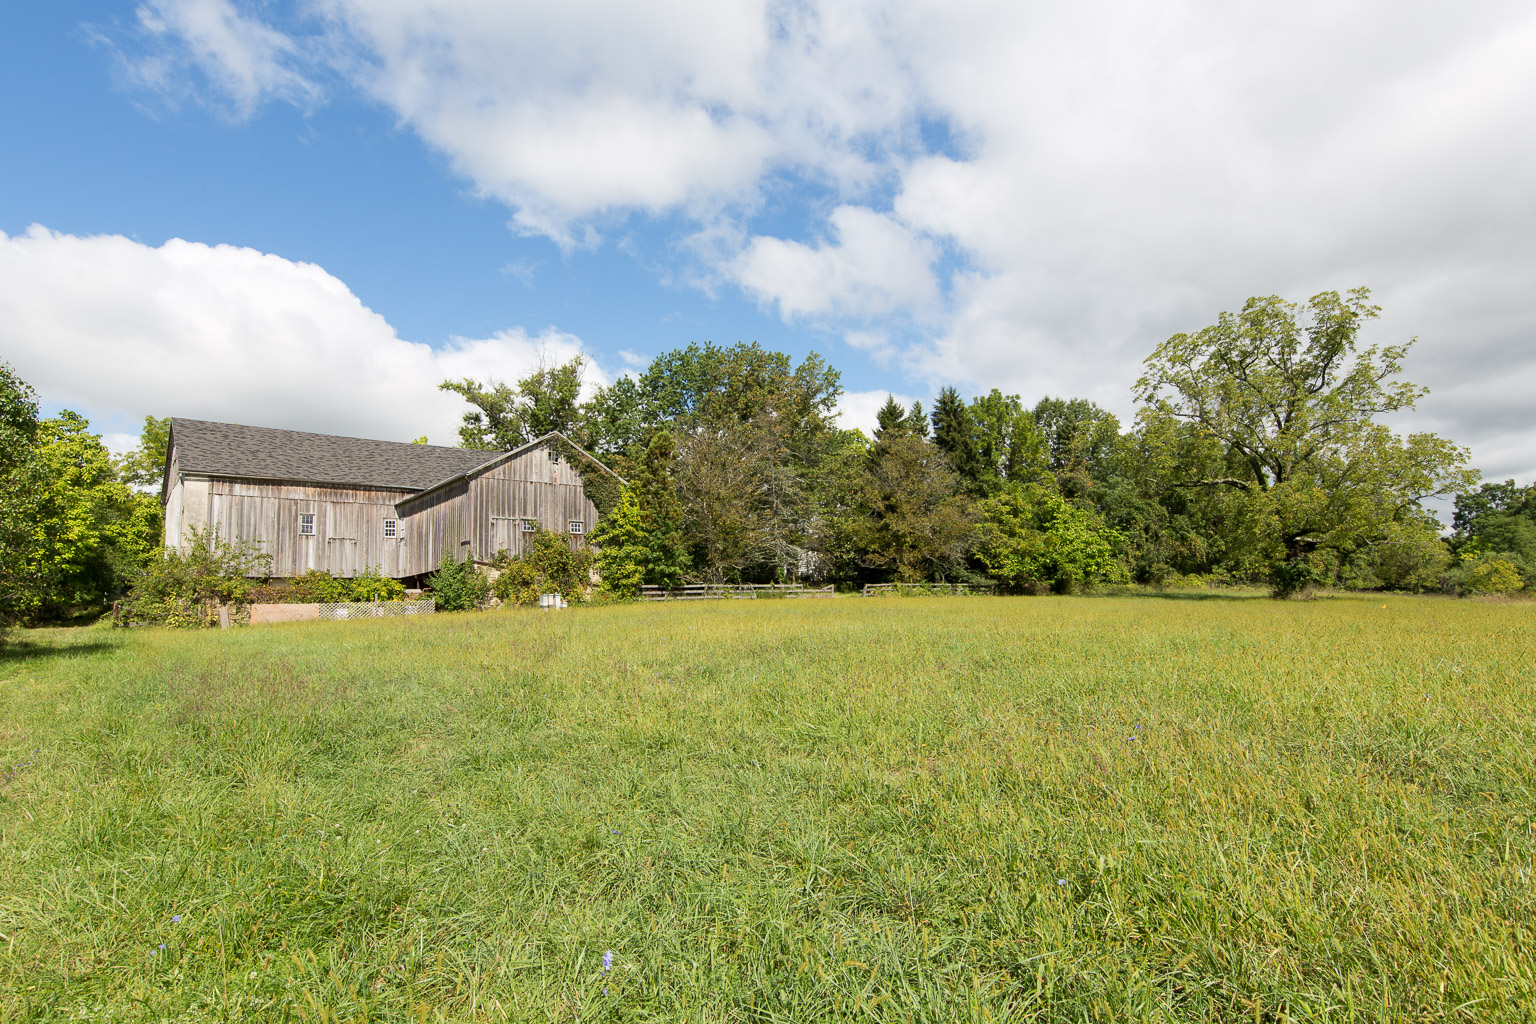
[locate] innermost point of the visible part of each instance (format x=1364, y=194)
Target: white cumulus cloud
x=1024, y=195
x=119, y=330
x=876, y=266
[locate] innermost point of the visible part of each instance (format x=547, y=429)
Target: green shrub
x=1031, y=536
x=186, y=587
x=549, y=567
x=372, y=585
x=1480, y=574
x=458, y=586
x=319, y=587
x=1297, y=577
x=518, y=582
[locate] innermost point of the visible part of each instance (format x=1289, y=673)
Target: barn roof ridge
x=212, y=448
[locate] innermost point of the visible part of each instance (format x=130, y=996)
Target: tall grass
x=1065, y=809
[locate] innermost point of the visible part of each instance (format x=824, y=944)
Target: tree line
x=1257, y=455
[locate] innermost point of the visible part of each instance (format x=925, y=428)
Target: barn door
x=504, y=534
x=341, y=530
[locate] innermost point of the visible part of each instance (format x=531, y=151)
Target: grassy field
x=1057, y=809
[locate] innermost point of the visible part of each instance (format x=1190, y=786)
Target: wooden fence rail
x=732, y=591
x=904, y=589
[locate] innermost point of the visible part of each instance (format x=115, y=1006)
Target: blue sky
x=307, y=213
x=341, y=185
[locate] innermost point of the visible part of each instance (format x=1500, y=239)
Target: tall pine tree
x=954, y=433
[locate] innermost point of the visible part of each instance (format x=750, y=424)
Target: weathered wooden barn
x=344, y=504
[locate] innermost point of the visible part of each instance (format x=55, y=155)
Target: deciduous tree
x=1079, y=439
x=713, y=384
x=990, y=441
x=1282, y=388
x=18, y=495
x=144, y=467
x=1031, y=535
x=92, y=531
x=504, y=418
x=1498, y=518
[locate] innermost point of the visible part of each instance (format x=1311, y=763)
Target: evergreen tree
x=954, y=433
x=623, y=547
x=641, y=541
x=917, y=421
x=656, y=491
x=890, y=421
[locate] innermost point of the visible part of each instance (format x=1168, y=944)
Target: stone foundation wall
x=266, y=614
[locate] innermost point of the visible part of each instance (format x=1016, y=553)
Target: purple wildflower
x=607, y=961
x=175, y=919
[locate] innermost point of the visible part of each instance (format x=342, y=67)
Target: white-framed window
x=578, y=527
x=306, y=524
x=530, y=525
x=391, y=528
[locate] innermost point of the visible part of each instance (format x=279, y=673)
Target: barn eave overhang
x=362, y=485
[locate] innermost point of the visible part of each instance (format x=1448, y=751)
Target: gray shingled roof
x=204, y=448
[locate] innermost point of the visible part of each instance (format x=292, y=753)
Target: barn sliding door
x=505, y=534
x=341, y=530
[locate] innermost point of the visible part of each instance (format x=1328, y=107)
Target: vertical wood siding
x=484, y=514
x=349, y=525
x=173, y=495
x=195, y=506
x=474, y=517
x=531, y=486
x=435, y=525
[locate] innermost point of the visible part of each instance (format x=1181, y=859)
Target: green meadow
x=921, y=809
